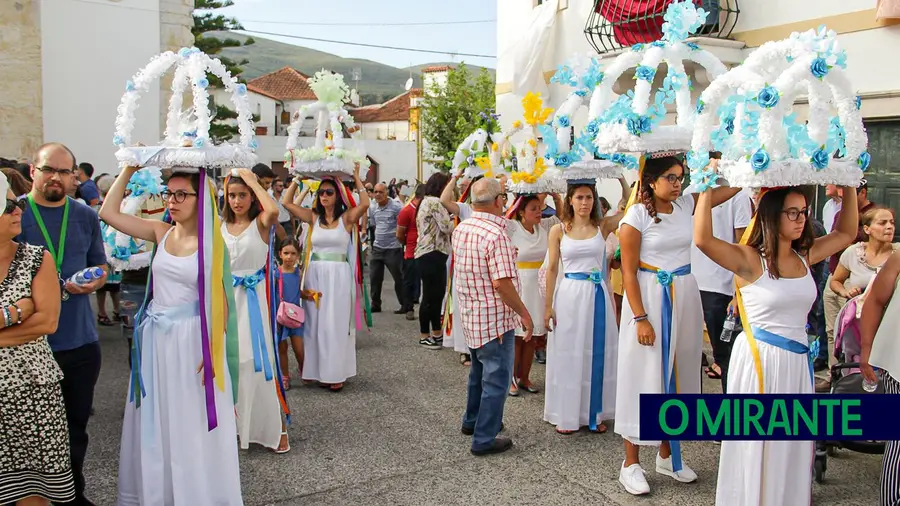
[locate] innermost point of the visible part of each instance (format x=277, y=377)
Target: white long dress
x=531, y=248
x=665, y=245
x=770, y=473
x=258, y=409
x=329, y=334
x=456, y=339
x=572, y=360
x=168, y=457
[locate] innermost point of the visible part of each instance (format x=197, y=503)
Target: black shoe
x=501, y=444
x=468, y=431
x=704, y=362
x=410, y=315
x=376, y=309
x=400, y=311
x=430, y=343
x=541, y=356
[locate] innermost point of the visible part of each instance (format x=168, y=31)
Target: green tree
x=451, y=112
x=206, y=19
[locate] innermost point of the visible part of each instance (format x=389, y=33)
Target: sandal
x=465, y=359
x=601, y=429
x=565, y=432
x=712, y=373
x=337, y=387
x=105, y=321
x=283, y=449
x=286, y=383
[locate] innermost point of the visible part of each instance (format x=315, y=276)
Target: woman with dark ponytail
x=661, y=327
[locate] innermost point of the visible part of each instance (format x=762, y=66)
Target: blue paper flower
x=564, y=75
x=596, y=277
x=759, y=161
x=253, y=143
x=664, y=277
x=864, y=160
x=819, y=68
x=185, y=52
x=767, y=97
x=240, y=89
x=199, y=142
x=692, y=45
x=593, y=76
x=118, y=141
x=858, y=102
x=562, y=160
x=582, y=92
x=646, y=125
x=729, y=126
x=592, y=128
x=658, y=43
x=634, y=125
x=820, y=159
x=202, y=83
x=129, y=86
x=645, y=73
x=563, y=121
x=698, y=160
x=637, y=47
x=700, y=106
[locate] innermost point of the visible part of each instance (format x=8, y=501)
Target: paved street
x=392, y=437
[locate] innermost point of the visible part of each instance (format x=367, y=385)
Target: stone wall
x=175, y=27
x=21, y=118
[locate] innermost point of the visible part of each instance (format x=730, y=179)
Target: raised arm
x=555, y=237
x=738, y=259
x=448, y=198
x=879, y=295
x=269, y=214
x=44, y=317
x=353, y=215
x=110, y=212
x=287, y=200
x=844, y=232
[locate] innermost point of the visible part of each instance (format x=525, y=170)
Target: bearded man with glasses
x=71, y=233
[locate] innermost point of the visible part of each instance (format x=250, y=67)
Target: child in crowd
x=289, y=291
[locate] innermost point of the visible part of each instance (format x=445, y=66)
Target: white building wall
x=386, y=130
x=86, y=61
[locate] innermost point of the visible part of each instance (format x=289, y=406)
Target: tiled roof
x=395, y=109
x=283, y=84
x=436, y=68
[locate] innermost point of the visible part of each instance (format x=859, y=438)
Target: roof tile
x=395, y=109
x=283, y=84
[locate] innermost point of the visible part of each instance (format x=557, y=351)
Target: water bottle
x=86, y=276
x=728, y=328
x=870, y=386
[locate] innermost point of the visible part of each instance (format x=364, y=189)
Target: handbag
x=289, y=315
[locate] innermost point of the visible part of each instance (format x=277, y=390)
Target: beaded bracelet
x=640, y=318
x=18, y=314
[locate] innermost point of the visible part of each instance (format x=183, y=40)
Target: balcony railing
x=614, y=24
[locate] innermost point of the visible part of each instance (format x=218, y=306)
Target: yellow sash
x=529, y=265
x=745, y=323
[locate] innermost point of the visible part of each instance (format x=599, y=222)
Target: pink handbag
x=289, y=315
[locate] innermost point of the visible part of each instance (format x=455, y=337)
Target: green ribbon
x=55, y=252
x=329, y=257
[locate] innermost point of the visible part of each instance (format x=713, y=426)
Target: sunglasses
x=328, y=192
x=11, y=206
x=179, y=195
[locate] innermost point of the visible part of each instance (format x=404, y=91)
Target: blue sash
x=599, y=342
x=785, y=344
x=257, y=330
x=669, y=376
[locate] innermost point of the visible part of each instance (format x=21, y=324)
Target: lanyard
x=57, y=257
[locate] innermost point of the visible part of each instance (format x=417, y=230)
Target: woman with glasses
x=177, y=442
x=776, y=291
x=329, y=333
x=661, y=327
x=248, y=216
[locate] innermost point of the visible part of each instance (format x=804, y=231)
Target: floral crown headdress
x=630, y=123
x=530, y=172
x=187, y=143
x=328, y=156
x=124, y=252
x=763, y=143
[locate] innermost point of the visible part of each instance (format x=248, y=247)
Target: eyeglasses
x=673, y=178
x=50, y=171
x=179, y=195
x=794, y=214
x=328, y=192
x=11, y=206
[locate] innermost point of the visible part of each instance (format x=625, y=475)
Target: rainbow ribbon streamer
x=599, y=342
x=670, y=376
x=271, y=269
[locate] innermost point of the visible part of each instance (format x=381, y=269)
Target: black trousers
x=433, y=270
x=715, y=311
x=412, y=283
x=393, y=260
x=81, y=368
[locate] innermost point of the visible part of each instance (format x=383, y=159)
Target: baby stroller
x=846, y=379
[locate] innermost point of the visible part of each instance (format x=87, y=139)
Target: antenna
x=409, y=84
x=356, y=76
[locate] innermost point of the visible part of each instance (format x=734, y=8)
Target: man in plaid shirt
x=488, y=301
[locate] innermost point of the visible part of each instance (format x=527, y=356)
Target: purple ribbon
x=212, y=421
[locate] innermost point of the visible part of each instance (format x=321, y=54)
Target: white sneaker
x=632, y=478
x=664, y=466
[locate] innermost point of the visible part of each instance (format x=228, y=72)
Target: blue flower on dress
x=819, y=68
x=595, y=277
x=563, y=121
x=820, y=159
x=202, y=83
x=864, y=160
x=240, y=89
x=759, y=161
x=129, y=86
x=645, y=73
x=664, y=277
x=767, y=97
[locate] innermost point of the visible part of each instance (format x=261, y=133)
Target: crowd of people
x=615, y=301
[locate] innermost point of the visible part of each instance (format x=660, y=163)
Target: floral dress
x=34, y=437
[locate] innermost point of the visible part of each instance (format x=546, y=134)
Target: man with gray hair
x=488, y=300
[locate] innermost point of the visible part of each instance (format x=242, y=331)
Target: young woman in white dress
x=582, y=350
x=655, y=245
x=249, y=214
x=329, y=333
x=168, y=454
x=528, y=231
x=777, y=291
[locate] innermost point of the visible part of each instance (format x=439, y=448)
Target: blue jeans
x=489, y=378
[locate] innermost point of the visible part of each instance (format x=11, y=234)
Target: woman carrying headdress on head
x=581, y=353
x=328, y=284
x=247, y=219
x=661, y=327
x=178, y=442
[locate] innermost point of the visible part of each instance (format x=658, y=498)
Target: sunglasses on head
x=11, y=206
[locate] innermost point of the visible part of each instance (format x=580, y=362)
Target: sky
x=298, y=18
